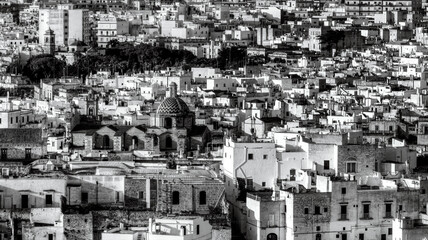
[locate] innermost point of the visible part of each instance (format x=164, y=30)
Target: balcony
x=343, y=217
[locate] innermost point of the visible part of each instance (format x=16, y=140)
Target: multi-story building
x=337, y=209
x=367, y=7
x=109, y=27
x=68, y=25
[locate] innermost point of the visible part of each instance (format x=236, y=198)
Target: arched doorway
x=272, y=236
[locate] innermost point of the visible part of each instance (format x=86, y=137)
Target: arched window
x=272, y=236
x=175, y=198
x=168, y=123
x=106, y=141
x=202, y=198
x=168, y=142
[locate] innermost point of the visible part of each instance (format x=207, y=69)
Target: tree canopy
x=43, y=66
x=332, y=38
x=126, y=58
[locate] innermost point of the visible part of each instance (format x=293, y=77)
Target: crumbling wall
x=78, y=226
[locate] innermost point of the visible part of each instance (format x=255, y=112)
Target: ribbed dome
x=173, y=106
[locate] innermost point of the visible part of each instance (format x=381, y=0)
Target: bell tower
x=49, y=45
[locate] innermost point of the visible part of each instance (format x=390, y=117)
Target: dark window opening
x=84, y=197
x=168, y=142
x=202, y=198
x=388, y=208
x=326, y=164
x=49, y=199
x=24, y=201
x=366, y=211
x=175, y=198
x=168, y=123
x=317, y=210
x=343, y=212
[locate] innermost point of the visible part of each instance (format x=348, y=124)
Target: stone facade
x=78, y=226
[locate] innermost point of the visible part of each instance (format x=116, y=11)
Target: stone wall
x=309, y=221
x=365, y=157
x=78, y=226
x=189, y=197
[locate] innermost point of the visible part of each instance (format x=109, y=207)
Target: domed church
x=172, y=130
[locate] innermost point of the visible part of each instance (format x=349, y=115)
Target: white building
x=109, y=27
x=68, y=25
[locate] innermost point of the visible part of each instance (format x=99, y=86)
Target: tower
x=49, y=45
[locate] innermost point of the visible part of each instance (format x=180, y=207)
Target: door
x=24, y=201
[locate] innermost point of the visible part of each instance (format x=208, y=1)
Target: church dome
x=173, y=106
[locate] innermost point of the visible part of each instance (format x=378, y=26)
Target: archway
x=272, y=236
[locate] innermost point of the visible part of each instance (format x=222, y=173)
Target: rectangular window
x=263, y=184
x=50, y=237
x=326, y=164
x=343, y=212
x=366, y=211
x=343, y=190
x=11, y=120
x=3, y=153
x=317, y=210
x=49, y=199
x=197, y=229
x=24, y=201
x=141, y=195
x=264, y=156
x=389, y=231
x=250, y=156
x=351, y=167
x=84, y=197
x=27, y=153
x=306, y=210
x=383, y=237
x=361, y=236
x=388, y=208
